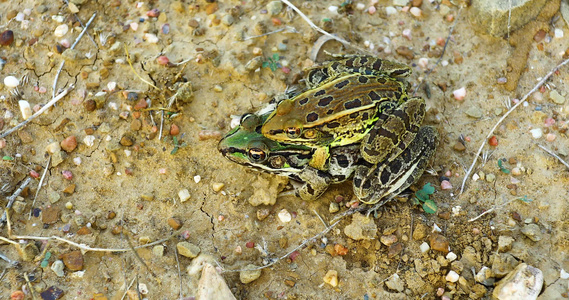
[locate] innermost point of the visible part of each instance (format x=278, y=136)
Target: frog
x=372, y=183
x=356, y=99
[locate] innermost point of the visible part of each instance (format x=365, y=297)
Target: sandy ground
x=127, y=180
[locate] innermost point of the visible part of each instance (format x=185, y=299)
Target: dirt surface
x=126, y=181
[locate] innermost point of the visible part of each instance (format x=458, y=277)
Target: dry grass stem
x=493, y=208
x=554, y=155
x=39, y=186
x=39, y=112
x=134, y=71
x=12, y=198
x=535, y=88
x=54, y=87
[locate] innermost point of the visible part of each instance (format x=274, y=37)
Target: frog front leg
x=313, y=183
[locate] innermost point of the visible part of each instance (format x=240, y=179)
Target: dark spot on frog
x=353, y=104
x=325, y=101
x=341, y=84
x=319, y=93
x=311, y=117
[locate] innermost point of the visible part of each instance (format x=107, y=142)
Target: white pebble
x=333, y=8
x=184, y=195
x=424, y=247
x=390, y=10
x=456, y=210
x=536, y=133
x=65, y=43
x=550, y=137
x=436, y=228
x=112, y=86
x=452, y=276
x=451, y=256
x=151, y=38
x=11, y=81
x=20, y=17
x=407, y=33
x=558, y=33
x=285, y=216
x=475, y=177
x=197, y=178
x=77, y=161
x=423, y=63
x=235, y=121
x=89, y=140
x=459, y=94
x=360, y=6
x=444, y=63
x=25, y=109
x=516, y=171
x=415, y=11
x=564, y=274
x=127, y=152
x=366, y=43
x=143, y=288
x=61, y=30
x=134, y=26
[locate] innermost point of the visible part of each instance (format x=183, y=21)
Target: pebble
x=451, y=256
x=57, y=268
x=249, y=275
x=395, y=283
x=331, y=278
x=446, y=185
x=184, y=195
x=19, y=206
x=459, y=94
x=536, y=133
x=390, y=10
x=550, y=137
x=174, y=223
x=424, y=247
x=285, y=216
x=150, y=38
x=406, y=33
x=371, y=10
x=89, y=140
x=452, y=276
x=405, y=52
x=439, y=243
x=188, y=249
x=490, y=178
x=361, y=228
x=485, y=277
x=263, y=213
x=423, y=63
x=532, y=231
x=61, y=30
x=334, y=207
x=474, y=112
x=524, y=282
x=11, y=81
x=388, y=240
x=360, y=6
x=458, y=146
x=126, y=141
x=73, y=260
x=158, y=250
x=400, y=2
x=420, y=232
x=69, y=143
x=217, y=186
x=274, y=7
x=6, y=38
x=25, y=109
x=558, y=33
x=218, y=88
x=30, y=252
x=415, y=11
x=227, y=20
x=505, y=243
x=556, y=97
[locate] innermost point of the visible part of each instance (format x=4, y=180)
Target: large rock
x=524, y=282
x=492, y=16
x=212, y=286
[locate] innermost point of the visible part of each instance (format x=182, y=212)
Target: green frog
x=355, y=99
x=373, y=183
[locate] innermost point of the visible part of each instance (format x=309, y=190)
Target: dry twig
x=554, y=155
x=535, y=88
x=12, y=198
x=39, y=186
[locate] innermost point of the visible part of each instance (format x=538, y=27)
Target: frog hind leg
x=390, y=179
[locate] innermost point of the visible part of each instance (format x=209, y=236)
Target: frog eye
x=292, y=132
x=257, y=155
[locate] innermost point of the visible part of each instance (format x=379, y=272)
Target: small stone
x=505, y=243
x=550, y=137
x=188, y=249
x=263, y=213
x=211, y=8
x=69, y=144
x=141, y=104
x=446, y=185
x=227, y=20
x=388, y=240
x=395, y=283
x=53, y=147
x=424, y=247
x=73, y=260
x=452, y=276
x=126, y=141
x=6, y=38
x=217, y=186
x=25, y=109
x=405, y=52
x=331, y=278
x=334, y=207
x=218, y=88
x=11, y=81
x=390, y=10
x=439, y=243
x=158, y=250
x=69, y=190
x=458, y=146
x=52, y=293
x=30, y=252
x=274, y=7
x=394, y=250
x=184, y=195
x=415, y=11
x=524, y=282
x=174, y=223
x=90, y=105
x=84, y=231
x=50, y=214
x=400, y=2
x=420, y=232
x=451, y=256
x=556, y=97
x=459, y=94
x=503, y=264
x=474, y=112
x=532, y=231
x=61, y=30
x=249, y=274
x=57, y=268
x=284, y=216
x=361, y=228
x=19, y=206
x=536, y=133
x=490, y=178
x=484, y=276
